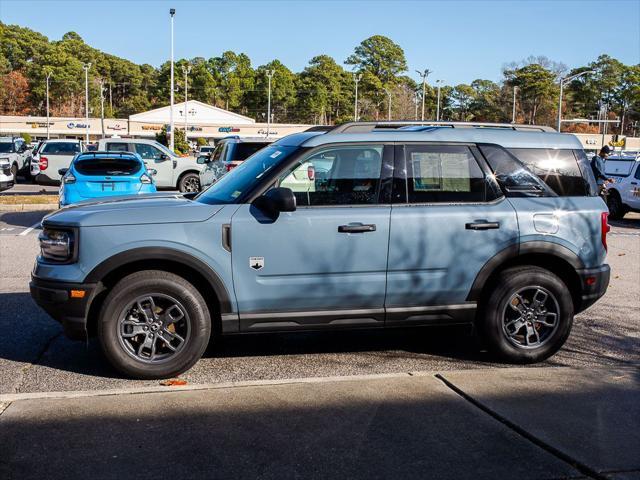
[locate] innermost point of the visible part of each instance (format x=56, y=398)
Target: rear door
x=325, y=263
x=448, y=219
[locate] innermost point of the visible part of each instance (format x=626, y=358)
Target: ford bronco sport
x=391, y=225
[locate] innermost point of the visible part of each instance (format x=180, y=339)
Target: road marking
x=28, y=230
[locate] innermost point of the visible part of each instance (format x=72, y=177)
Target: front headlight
x=57, y=245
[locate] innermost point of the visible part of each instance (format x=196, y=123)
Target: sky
x=458, y=41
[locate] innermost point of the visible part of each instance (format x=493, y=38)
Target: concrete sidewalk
x=524, y=423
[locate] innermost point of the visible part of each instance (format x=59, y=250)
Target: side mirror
x=202, y=160
x=152, y=171
x=62, y=171
x=163, y=156
x=23, y=148
x=276, y=200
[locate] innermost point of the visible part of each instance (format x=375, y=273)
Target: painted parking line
x=30, y=229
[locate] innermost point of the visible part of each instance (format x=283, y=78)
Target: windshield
x=107, y=166
x=164, y=149
x=241, y=179
x=6, y=147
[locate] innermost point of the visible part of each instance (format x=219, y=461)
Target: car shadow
x=23, y=219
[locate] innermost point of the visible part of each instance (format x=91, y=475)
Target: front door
x=448, y=219
x=159, y=161
x=325, y=263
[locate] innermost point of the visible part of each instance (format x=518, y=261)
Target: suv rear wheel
x=154, y=324
x=528, y=315
x=617, y=210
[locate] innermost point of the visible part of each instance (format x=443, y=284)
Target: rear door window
x=107, y=167
x=559, y=169
x=61, y=148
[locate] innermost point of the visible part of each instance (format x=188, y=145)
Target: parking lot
x=36, y=357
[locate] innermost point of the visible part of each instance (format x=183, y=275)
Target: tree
x=14, y=94
x=536, y=87
x=462, y=96
x=179, y=141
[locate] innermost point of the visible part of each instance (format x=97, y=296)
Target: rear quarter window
x=242, y=151
x=559, y=169
x=107, y=166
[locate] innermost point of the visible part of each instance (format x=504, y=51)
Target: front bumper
x=594, y=282
x=56, y=299
x=6, y=185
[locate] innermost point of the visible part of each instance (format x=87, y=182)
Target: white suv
x=181, y=173
x=624, y=191
x=16, y=151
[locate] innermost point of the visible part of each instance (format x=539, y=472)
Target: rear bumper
x=43, y=179
x=594, y=282
x=55, y=299
x=6, y=185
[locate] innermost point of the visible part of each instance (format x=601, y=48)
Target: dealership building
x=202, y=120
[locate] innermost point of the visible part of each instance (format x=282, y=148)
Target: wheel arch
x=554, y=257
x=205, y=279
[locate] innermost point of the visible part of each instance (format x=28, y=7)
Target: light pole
x=416, y=104
x=86, y=68
x=388, y=92
x=270, y=74
x=172, y=12
x=48, y=77
x=356, y=78
x=186, y=71
x=439, y=83
x=562, y=82
x=424, y=76
x=513, y=113
x=102, y=89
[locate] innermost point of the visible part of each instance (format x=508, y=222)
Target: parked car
x=174, y=172
x=16, y=151
x=492, y=227
x=96, y=175
x=51, y=156
x=228, y=154
x=7, y=180
x=624, y=193
x=204, y=150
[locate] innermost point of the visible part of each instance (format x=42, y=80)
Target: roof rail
x=365, y=127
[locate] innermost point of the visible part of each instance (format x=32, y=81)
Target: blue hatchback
x=95, y=175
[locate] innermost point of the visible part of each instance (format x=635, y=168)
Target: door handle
x=634, y=183
x=356, y=228
x=482, y=225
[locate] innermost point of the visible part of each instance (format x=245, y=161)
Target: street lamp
x=270, y=74
x=439, y=83
x=86, y=68
x=513, y=113
x=48, y=77
x=102, y=89
x=562, y=82
x=172, y=12
x=388, y=92
x=356, y=78
x=424, y=76
x=186, y=69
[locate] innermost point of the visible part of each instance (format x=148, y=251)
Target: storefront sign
x=262, y=131
x=228, y=129
x=194, y=129
x=117, y=126
x=77, y=125
x=151, y=127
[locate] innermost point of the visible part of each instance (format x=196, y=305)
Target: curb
x=28, y=207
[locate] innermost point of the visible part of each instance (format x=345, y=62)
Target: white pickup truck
x=172, y=171
x=624, y=192
x=51, y=156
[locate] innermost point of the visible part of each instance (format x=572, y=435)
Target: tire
x=508, y=300
x=124, y=325
x=617, y=209
x=189, y=182
x=14, y=172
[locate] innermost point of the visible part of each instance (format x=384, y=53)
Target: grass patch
x=27, y=199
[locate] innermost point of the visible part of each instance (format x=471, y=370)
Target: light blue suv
x=392, y=225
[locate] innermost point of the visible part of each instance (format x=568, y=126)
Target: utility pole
x=388, y=92
x=356, y=78
x=424, y=76
x=110, y=99
x=186, y=71
x=172, y=12
x=48, y=77
x=439, y=83
x=102, y=106
x=86, y=68
x=513, y=114
x=270, y=74
x=416, y=104
x=562, y=83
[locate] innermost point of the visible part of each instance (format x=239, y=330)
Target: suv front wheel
x=528, y=315
x=154, y=324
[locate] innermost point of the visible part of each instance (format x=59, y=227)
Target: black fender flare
x=514, y=251
x=167, y=254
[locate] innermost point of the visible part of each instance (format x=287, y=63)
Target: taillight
x=43, y=163
x=604, y=228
